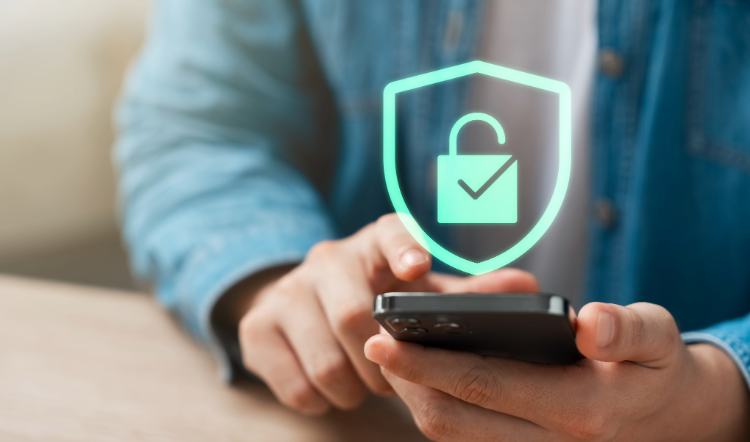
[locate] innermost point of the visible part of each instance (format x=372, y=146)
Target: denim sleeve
x=214, y=112
x=731, y=336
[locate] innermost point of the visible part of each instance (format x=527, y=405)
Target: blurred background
x=61, y=67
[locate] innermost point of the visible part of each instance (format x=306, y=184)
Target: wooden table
x=89, y=364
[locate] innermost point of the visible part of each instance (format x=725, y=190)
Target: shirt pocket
x=719, y=104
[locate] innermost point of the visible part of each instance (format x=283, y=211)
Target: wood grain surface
x=88, y=364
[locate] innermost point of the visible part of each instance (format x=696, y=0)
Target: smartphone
x=534, y=327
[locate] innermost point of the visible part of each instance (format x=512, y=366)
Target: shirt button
x=611, y=63
x=606, y=213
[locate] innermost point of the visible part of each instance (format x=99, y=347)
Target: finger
x=266, y=353
x=346, y=299
x=538, y=393
x=499, y=281
x=442, y=417
x=388, y=245
x=323, y=360
x=643, y=333
x=350, y=272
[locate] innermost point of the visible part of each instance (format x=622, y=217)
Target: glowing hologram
x=391, y=177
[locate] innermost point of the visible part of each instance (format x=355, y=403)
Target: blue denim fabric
x=252, y=129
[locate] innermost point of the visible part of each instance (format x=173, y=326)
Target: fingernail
x=605, y=330
x=377, y=354
x=412, y=257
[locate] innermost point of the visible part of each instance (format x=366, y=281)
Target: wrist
x=239, y=299
x=721, y=395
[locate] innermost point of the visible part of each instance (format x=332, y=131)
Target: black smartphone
x=533, y=327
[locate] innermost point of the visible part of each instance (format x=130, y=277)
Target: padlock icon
x=476, y=189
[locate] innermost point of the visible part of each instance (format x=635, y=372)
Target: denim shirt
x=252, y=129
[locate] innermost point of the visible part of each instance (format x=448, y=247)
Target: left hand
x=639, y=383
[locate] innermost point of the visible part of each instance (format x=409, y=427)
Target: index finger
x=538, y=393
x=386, y=246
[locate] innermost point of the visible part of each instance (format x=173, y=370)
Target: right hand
x=304, y=333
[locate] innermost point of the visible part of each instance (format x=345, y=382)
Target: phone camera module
x=414, y=331
x=450, y=327
x=401, y=322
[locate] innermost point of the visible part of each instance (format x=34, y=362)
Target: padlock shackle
x=468, y=118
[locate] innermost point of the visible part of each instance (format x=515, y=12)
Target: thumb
x=641, y=332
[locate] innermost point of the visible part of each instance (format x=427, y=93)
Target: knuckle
x=322, y=250
x=246, y=327
x=351, y=317
x=638, y=333
x=249, y=327
x=300, y=396
x=436, y=420
x=661, y=312
x=389, y=227
x=330, y=371
x=478, y=386
x=659, y=322
x=386, y=221
x=409, y=372
x=288, y=285
x=592, y=425
x=634, y=330
x=667, y=321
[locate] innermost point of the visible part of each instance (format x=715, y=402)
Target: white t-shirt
x=557, y=40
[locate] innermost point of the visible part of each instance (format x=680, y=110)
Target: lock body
x=498, y=204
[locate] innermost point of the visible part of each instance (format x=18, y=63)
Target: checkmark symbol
x=486, y=185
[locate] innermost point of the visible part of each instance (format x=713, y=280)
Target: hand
x=304, y=333
x=639, y=383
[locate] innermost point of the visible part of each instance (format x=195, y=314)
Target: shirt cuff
x=735, y=348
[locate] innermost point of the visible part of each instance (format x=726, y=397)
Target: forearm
x=207, y=196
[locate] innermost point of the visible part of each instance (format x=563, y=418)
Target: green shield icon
x=453, y=168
